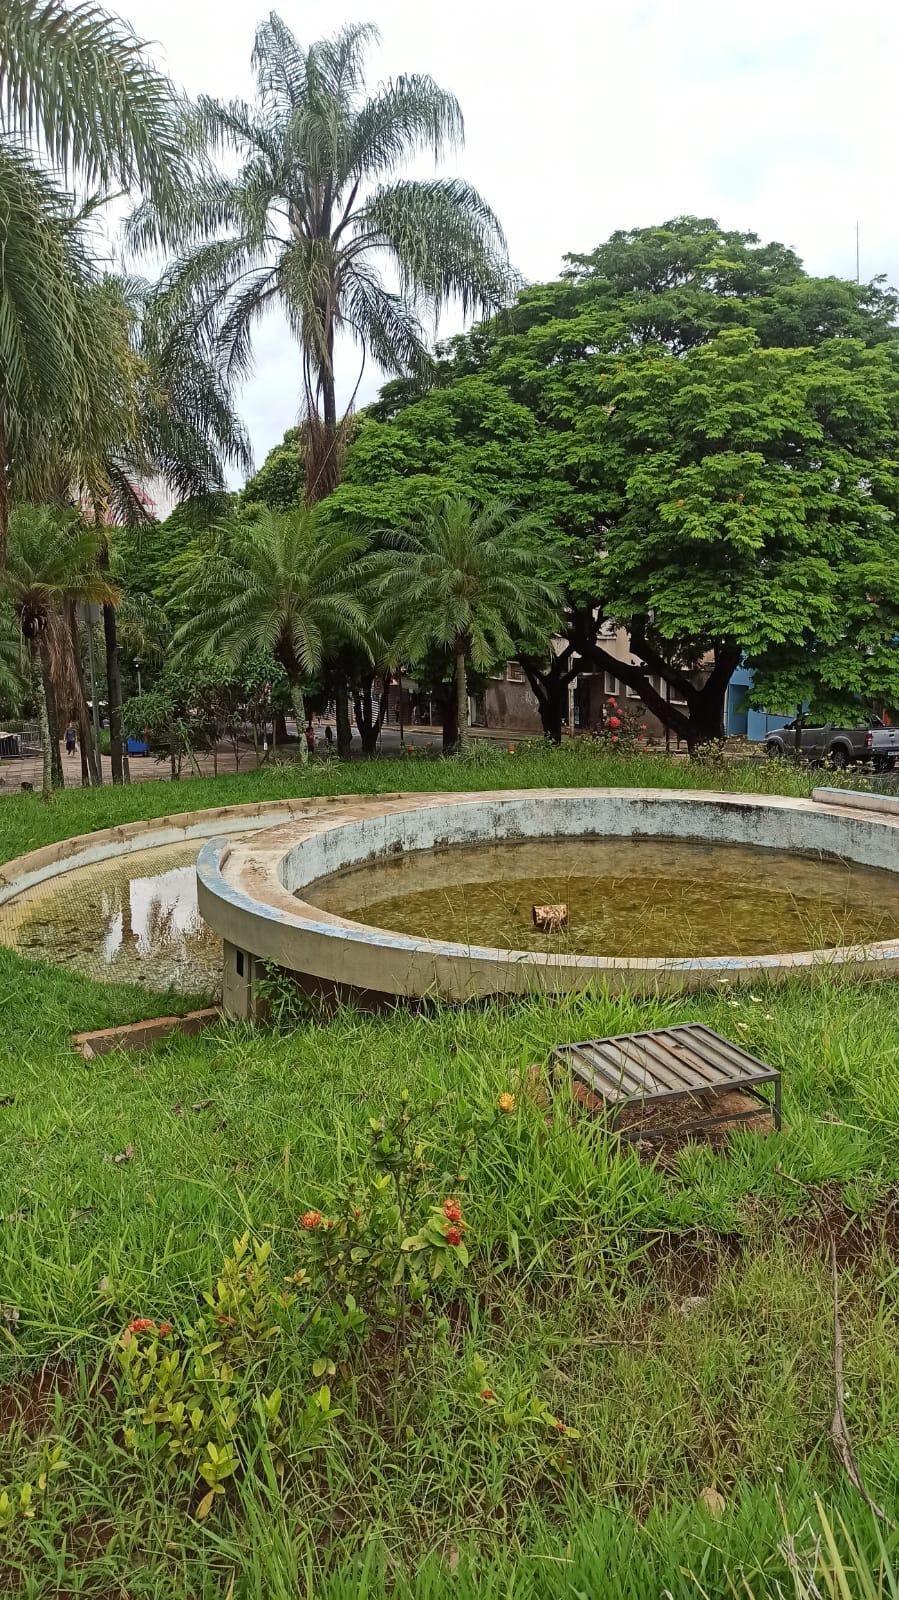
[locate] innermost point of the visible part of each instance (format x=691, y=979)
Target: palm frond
x=406, y=115
x=444, y=239
x=75, y=81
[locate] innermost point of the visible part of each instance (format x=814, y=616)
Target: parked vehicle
x=873, y=742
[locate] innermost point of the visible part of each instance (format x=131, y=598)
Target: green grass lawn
x=677, y=1317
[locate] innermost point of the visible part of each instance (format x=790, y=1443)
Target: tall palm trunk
x=114, y=694
x=4, y=492
x=53, y=713
x=39, y=695
x=461, y=682
x=89, y=770
x=323, y=444
x=299, y=710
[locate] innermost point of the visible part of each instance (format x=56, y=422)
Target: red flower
x=487, y=1394
x=452, y=1211
x=614, y=739
x=142, y=1325
x=165, y=1329
x=311, y=1219
x=453, y=1236
x=560, y=1427
x=614, y=722
x=612, y=700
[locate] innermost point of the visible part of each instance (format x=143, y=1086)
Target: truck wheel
x=774, y=751
x=839, y=757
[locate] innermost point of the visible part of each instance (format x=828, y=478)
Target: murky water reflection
x=132, y=920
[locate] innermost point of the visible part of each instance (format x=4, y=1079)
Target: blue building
x=740, y=721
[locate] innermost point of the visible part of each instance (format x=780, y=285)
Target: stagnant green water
x=136, y=919
x=132, y=920
x=625, y=897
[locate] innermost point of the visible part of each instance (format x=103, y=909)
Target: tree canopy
x=710, y=431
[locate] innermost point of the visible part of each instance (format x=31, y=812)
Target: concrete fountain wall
x=250, y=890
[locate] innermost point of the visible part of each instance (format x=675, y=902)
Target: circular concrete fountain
x=258, y=893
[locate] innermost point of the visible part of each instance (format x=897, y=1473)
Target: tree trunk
x=39, y=695
x=550, y=688
x=701, y=718
x=279, y=729
x=461, y=686
x=53, y=717
x=342, y=718
x=298, y=705
x=114, y=693
x=368, y=724
x=4, y=492
x=89, y=773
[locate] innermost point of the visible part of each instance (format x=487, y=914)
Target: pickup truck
x=874, y=742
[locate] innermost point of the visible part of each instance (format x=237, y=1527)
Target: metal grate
x=667, y=1064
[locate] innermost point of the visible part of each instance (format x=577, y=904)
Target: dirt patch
x=686, y=1265
x=27, y=1402
x=858, y=1240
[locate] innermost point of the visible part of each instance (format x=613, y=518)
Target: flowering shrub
x=387, y=1241
x=623, y=729
x=191, y=1400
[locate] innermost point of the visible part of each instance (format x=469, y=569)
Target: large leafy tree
x=314, y=218
x=468, y=579
x=665, y=356
x=277, y=583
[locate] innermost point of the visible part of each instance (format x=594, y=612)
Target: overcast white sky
x=781, y=116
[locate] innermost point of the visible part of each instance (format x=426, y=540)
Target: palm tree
x=45, y=333
x=74, y=83
x=277, y=584
x=469, y=580
x=313, y=215
x=76, y=92
x=51, y=562
x=172, y=419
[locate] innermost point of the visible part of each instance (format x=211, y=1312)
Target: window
x=610, y=684
x=515, y=673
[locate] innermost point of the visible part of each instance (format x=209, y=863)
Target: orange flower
x=487, y=1394
x=506, y=1102
x=142, y=1325
x=165, y=1329
x=560, y=1427
x=453, y=1236
x=311, y=1219
x=452, y=1211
